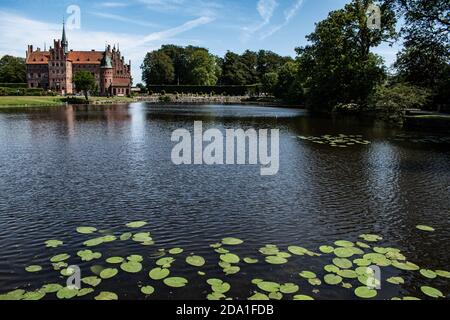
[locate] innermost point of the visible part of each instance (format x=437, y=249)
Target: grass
x=27, y=101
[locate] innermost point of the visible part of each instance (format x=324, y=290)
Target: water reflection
x=106, y=166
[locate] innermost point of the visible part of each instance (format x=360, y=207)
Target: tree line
x=338, y=66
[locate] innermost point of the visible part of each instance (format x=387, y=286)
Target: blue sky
x=143, y=25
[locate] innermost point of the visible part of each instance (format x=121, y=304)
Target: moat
x=341, y=180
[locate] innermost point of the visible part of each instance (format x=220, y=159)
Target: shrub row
x=6, y=91
x=222, y=90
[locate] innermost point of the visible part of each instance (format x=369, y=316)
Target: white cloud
x=124, y=19
x=113, y=4
x=15, y=39
x=289, y=14
x=266, y=9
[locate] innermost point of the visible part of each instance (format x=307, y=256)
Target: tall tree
x=157, y=68
x=12, y=70
x=84, y=81
x=269, y=61
x=338, y=66
x=202, y=68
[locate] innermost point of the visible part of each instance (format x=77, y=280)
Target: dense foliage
x=84, y=81
x=12, y=70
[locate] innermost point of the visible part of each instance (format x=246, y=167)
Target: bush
x=8, y=91
x=14, y=85
x=398, y=97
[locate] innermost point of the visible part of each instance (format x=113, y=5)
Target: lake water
x=66, y=167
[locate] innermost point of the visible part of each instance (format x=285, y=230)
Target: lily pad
x=33, y=268
x=349, y=274
x=60, y=257
x=269, y=286
x=147, y=290
x=326, y=249
x=259, y=297
x=303, y=297
x=425, y=228
x=84, y=292
x=232, y=241
x=365, y=292
x=432, y=292
x=307, y=275
x=175, y=282
x=66, y=293
x=430, y=274
x=125, y=236
x=331, y=268
x=332, y=279
x=51, y=287
x=276, y=260
x=443, y=273
x=86, y=230
x=135, y=258
x=344, y=243
x=88, y=255
x=231, y=270
x=371, y=237
x=115, y=260
x=176, y=251
x=196, y=261
x=275, y=295
x=250, y=260
x=315, y=282
x=53, y=243
x=105, y=295
x=223, y=287
x=289, y=288
x=165, y=262
x=136, y=224
x=342, y=263
x=131, y=267
x=407, y=266
x=299, y=251
x=158, y=273
x=92, y=281
x=34, y=295
x=230, y=258
x=396, y=280
x=108, y=273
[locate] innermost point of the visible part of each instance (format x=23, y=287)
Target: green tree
x=12, y=70
x=338, y=66
x=233, y=70
x=203, y=68
x=157, y=68
x=268, y=61
x=269, y=82
x=84, y=81
x=288, y=87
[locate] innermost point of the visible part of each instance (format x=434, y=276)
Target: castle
x=55, y=68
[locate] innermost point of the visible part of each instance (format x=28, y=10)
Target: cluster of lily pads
x=350, y=266
x=339, y=141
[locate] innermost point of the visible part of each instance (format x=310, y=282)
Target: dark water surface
x=61, y=168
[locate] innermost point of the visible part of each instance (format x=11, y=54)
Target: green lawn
x=29, y=101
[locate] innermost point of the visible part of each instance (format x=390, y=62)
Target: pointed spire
x=64, y=42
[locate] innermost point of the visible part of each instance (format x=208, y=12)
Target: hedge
x=14, y=85
x=225, y=90
x=23, y=92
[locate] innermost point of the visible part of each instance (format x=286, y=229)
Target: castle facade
x=54, y=69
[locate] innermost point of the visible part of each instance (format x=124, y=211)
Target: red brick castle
x=54, y=69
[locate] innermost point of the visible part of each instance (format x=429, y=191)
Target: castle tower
x=106, y=75
x=64, y=42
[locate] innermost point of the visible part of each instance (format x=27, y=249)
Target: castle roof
x=38, y=57
x=85, y=57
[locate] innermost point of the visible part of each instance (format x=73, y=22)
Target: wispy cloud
x=14, y=39
x=124, y=19
x=289, y=14
x=113, y=4
x=266, y=9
